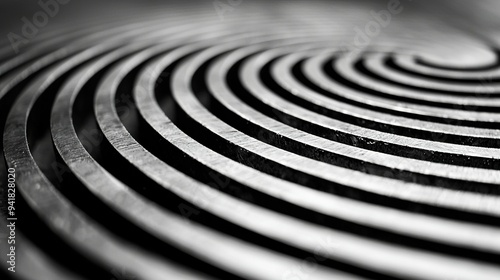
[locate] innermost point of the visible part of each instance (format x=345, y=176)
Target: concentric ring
x=254, y=147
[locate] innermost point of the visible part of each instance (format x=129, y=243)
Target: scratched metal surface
x=253, y=140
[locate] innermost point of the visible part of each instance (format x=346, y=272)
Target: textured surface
x=287, y=140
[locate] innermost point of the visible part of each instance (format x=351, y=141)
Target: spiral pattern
x=257, y=146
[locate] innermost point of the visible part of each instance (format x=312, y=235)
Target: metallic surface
x=179, y=144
